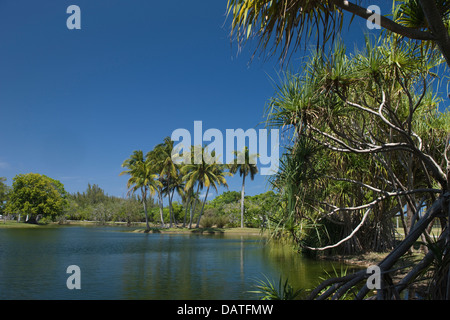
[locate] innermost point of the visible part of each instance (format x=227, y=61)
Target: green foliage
x=345, y=112
x=269, y=291
x=225, y=198
x=94, y=205
x=37, y=196
x=226, y=209
x=3, y=194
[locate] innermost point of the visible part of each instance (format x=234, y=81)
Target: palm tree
x=141, y=178
x=164, y=166
x=171, y=185
x=204, y=175
x=246, y=168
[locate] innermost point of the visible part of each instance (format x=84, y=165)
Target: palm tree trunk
x=161, y=208
x=242, y=201
x=187, y=207
x=193, y=210
x=144, y=201
x=203, y=207
x=170, y=210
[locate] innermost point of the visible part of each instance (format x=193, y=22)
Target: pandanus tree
x=390, y=106
x=245, y=164
x=373, y=115
x=281, y=26
x=141, y=178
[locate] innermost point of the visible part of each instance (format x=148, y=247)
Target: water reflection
x=122, y=265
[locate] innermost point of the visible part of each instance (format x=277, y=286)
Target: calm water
x=116, y=264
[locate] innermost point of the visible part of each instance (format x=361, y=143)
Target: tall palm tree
x=246, y=168
x=164, y=166
x=204, y=175
x=141, y=178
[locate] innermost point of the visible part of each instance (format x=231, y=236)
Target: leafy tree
x=3, y=194
x=37, y=196
x=246, y=167
x=225, y=198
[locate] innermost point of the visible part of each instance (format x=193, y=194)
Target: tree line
x=152, y=179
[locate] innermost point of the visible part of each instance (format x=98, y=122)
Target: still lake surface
x=118, y=264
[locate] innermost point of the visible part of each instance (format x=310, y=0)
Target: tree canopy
x=3, y=194
x=37, y=196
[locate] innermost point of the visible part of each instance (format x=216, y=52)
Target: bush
x=207, y=221
x=211, y=220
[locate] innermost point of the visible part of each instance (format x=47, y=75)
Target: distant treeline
x=95, y=205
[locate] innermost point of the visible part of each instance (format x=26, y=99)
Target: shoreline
x=135, y=227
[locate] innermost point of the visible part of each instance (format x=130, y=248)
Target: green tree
x=245, y=163
x=3, y=194
x=37, y=196
x=141, y=178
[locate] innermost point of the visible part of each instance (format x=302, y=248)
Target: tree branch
x=386, y=23
x=369, y=207
x=346, y=238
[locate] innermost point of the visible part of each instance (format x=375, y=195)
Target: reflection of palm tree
x=141, y=178
x=246, y=165
x=204, y=175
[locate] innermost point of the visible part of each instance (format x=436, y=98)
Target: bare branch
x=357, y=182
x=369, y=207
x=346, y=238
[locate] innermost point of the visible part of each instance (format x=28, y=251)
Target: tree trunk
x=170, y=211
x=340, y=285
x=242, y=201
x=193, y=210
x=144, y=201
x=188, y=205
x=203, y=207
x=161, y=208
x=437, y=27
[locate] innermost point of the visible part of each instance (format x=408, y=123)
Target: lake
x=118, y=264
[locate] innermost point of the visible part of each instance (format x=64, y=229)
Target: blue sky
x=74, y=104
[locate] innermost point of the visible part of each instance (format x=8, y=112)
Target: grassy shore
x=138, y=227
x=180, y=230
x=14, y=224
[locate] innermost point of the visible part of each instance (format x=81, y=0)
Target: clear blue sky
x=74, y=104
